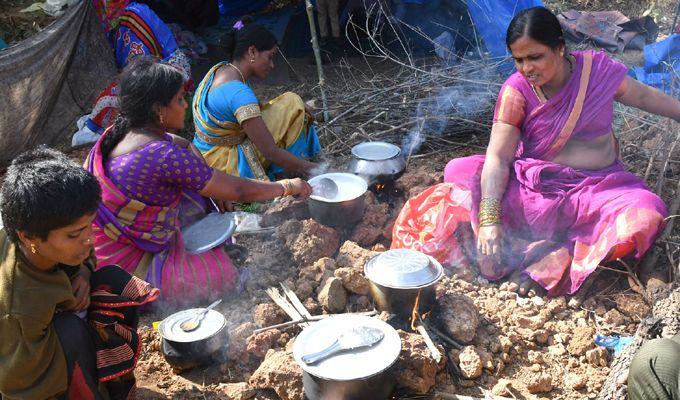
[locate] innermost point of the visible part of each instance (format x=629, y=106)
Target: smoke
x=464, y=101
x=320, y=169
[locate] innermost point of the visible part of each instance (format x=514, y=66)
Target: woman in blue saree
x=234, y=131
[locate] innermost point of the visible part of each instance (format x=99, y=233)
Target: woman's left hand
x=81, y=289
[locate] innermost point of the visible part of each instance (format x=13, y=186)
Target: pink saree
x=559, y=223
x=146, y=240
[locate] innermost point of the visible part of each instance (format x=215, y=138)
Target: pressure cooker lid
x=375, y=151
x=352, y=364
x=208, y=232
x=212, y=323
x=403, y=269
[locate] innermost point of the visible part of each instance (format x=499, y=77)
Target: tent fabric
x=239, y=8
x=492, y=18
x=51, y=79
x=661, y=61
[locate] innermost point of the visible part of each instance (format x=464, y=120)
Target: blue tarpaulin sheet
x=491, y=19
x=662, y=62
x=241, y=7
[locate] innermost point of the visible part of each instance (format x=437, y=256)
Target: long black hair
x=539, y=24
x=44, y=190
x=236, y=42
x=143, y=86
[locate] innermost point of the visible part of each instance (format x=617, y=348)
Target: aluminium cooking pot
x=186, y=350
x=398, y=276
x=358, y=374
x=377, y=162
x=344, y=209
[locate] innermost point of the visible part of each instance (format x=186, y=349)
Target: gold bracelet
x=287, y=187
x=489, y=211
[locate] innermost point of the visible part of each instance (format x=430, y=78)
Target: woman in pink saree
x=550, y=200
x=153, y=183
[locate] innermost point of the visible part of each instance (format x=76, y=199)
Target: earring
x=252, y=61
x=160, y=118
x=33, y=249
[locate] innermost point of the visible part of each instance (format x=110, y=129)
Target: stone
x=351, y=255
x=632, y=305
x=614, y=317
x=501, y=387
x=279, y=372
x=458, y=316
x=370, y=227
x=598, y=357
x=260, y=343
x=321, y=269
x=267, y=314
x=576, y=381
x=312, y=306
x=303, y=288
x=535, y=357
x=332, y=296
x=470, y=363
x=486, y=358
x=285, y=209
x=236, y=391
x=353, y=280
x=238, y=340
x=308, y=240
x=557, y=350
x=541, y=336
x=581, y=341
x=538, y=383
x=415, y=370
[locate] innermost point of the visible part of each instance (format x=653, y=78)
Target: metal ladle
x=193, y=323
x=326, y=188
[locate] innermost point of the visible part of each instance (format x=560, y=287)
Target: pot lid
x=350, y=187
x=212, y=323
x=208, y=232
x=352, y=364
x=403, y=269
x=375, y=151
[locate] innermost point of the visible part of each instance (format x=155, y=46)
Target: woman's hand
x=489, y=241
x=299, y=188
x=81, y=289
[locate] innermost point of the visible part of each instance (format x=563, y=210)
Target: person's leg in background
x=335, y=21
x=655, y=371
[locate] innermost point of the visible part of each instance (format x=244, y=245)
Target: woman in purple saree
x=551, y=199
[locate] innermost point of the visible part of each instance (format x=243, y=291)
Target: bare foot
x=513, y=283
x=530, y=288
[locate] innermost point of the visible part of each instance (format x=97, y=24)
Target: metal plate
x=375, y=151
x=350, y=187
x=208, y=232
x=403, y=269
x=350, y=365
x=212, y=323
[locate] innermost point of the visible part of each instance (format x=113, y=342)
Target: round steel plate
x=403, y=269
x=170, y=329
x=208, y=232
x=375, y=151
x=349, y=365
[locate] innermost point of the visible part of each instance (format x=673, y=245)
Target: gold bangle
x=489, y=211
x=287, y=187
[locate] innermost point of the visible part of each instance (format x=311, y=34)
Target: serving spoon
x=326, y=188
x=352, y=338
x=193, y=323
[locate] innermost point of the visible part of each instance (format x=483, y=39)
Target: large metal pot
x=346, y=208
x=400, y=276
x=359, y=374
x=377, y=162
x=186, y=350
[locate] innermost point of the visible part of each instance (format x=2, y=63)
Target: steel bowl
x=377, y=162
x=358, y=374
x=399, y=276
x=346, y=208
x=186, y=350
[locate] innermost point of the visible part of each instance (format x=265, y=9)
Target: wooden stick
x=317, y=57
x=310, y=319
x=281, y=301
x=434, y=351
x=295, y=301
x=442, y=336
x=451, y=396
